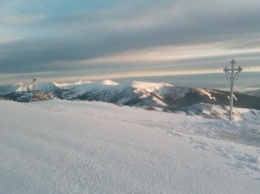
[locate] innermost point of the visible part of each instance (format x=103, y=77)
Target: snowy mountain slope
x=253, y=92
x=158, y=96
x=92, y=147
x=20, y=87
x=221, y=112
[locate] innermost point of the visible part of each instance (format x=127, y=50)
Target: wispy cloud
x=22, y=19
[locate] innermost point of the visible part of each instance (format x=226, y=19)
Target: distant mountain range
x=152, y=96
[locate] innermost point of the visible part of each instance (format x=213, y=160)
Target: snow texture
x=93, y=147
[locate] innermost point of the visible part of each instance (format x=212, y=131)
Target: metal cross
x=232, y=76
x=34, y=86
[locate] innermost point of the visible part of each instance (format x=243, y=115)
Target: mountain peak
x=149, y=95
x=109, y=82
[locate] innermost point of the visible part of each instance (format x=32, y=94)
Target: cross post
x=34, y=87
x=232, y=76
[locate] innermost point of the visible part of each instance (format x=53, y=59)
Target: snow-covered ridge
x=148, y=95
x=69, y=84
x=109, y=83
x=253, y=92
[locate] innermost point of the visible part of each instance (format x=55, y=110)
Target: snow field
x=91, y=147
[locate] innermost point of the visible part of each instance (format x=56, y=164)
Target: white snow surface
x=93, y=147
x=109, y=83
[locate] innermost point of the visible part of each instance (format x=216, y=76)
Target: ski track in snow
x=229, y=142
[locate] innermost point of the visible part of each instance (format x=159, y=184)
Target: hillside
x=151, y=96
x=90, y=147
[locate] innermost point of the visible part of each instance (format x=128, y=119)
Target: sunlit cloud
x=167, y=53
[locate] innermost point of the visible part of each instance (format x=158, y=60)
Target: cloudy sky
x=106, y=39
